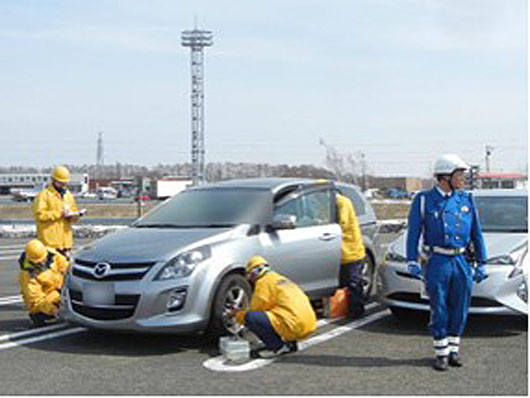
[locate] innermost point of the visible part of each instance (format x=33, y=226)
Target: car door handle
x=327, y=236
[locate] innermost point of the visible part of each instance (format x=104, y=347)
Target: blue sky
x=400, y=80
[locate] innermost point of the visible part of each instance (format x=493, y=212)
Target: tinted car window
x=310, y=209
x=503, y=214
x=211, y=207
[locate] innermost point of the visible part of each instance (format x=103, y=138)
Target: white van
x=107, y=193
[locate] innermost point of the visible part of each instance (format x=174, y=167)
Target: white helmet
x=449, y=163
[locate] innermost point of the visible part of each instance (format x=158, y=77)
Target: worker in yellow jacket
x=41, y=279
x=54, y=210
x=353, y=256
x=280, y=313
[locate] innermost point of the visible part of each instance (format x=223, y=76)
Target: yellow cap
x=255, y=261
x=61, y=174
x=36, y=252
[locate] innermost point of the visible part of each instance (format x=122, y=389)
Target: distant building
x=409, y=184
x=78, y=182
x=495, y=180
x=168, y=186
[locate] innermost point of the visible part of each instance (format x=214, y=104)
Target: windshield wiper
x=505, y=230
x=169, y=225
x=156, y=225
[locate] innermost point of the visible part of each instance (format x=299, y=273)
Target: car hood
x=497, y=244
x=148, y=244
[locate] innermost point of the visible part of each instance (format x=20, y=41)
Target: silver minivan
x=180, y=268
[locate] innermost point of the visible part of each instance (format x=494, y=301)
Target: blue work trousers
x=449, y=283
x=351, y=277
x=258, y=322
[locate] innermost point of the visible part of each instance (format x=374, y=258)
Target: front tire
x=368, y=274
x=233, y=292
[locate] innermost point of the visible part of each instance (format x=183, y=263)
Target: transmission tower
x=99, y=159
x=197, y=39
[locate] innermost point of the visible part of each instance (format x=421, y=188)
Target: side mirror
x=284, y=221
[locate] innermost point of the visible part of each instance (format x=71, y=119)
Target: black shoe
x=441, y=363
x=293, y=346
x=454, y=360
x=357, y=313
x=41, y=319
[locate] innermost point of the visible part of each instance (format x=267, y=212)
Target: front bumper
x=397, y=288
x=139, y=306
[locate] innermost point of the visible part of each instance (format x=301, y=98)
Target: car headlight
x=501, y=260
x=183, y=264
x=512, y=258
x=394, y=257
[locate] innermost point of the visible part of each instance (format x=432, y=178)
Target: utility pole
x=473, y=173
x=488, y=154
x=363, y=165
x=197, y=39
x=99, y=156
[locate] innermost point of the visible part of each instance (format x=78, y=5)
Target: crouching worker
x=280, y=313
x=40, y=280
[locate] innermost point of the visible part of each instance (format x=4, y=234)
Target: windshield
x=503, y=213
x=215, y=207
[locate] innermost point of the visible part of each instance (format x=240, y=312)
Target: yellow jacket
x=286, y=305
x=352, y=240
x=52, y=229
x=41, y=285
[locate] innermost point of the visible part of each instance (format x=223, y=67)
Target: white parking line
x=10, y=300
x=47, y=336
x=4, y=251
x=16, y=335
x=218, y=364
x=9, y=258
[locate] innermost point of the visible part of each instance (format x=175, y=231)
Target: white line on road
x=12, y=247
x=12, y=301
x=10, y=251
x=9, y=298
x=9, y=258
x=47, y=336
x=218, y=363
x=16, y=335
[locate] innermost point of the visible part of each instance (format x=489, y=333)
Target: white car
x=107, y=193
x=504, y=218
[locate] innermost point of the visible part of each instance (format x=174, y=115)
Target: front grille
x=409, y=297
x=129, y=301
x=75, y=295
x=483, y=302
x=103, y=314
x=415, y=298
x=118, y=271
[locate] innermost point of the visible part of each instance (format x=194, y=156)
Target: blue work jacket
x=449, y=222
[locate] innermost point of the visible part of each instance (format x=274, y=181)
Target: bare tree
x=344, y=165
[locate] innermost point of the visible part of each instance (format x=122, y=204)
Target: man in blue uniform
x=447, y=218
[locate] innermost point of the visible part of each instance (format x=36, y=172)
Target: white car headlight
x=183, y=264
x=501, y=260
x=392, y=256
x=511, y=258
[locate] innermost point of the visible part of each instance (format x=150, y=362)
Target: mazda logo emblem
x=101, y=269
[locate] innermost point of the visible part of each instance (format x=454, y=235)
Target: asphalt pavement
x=377, y=355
